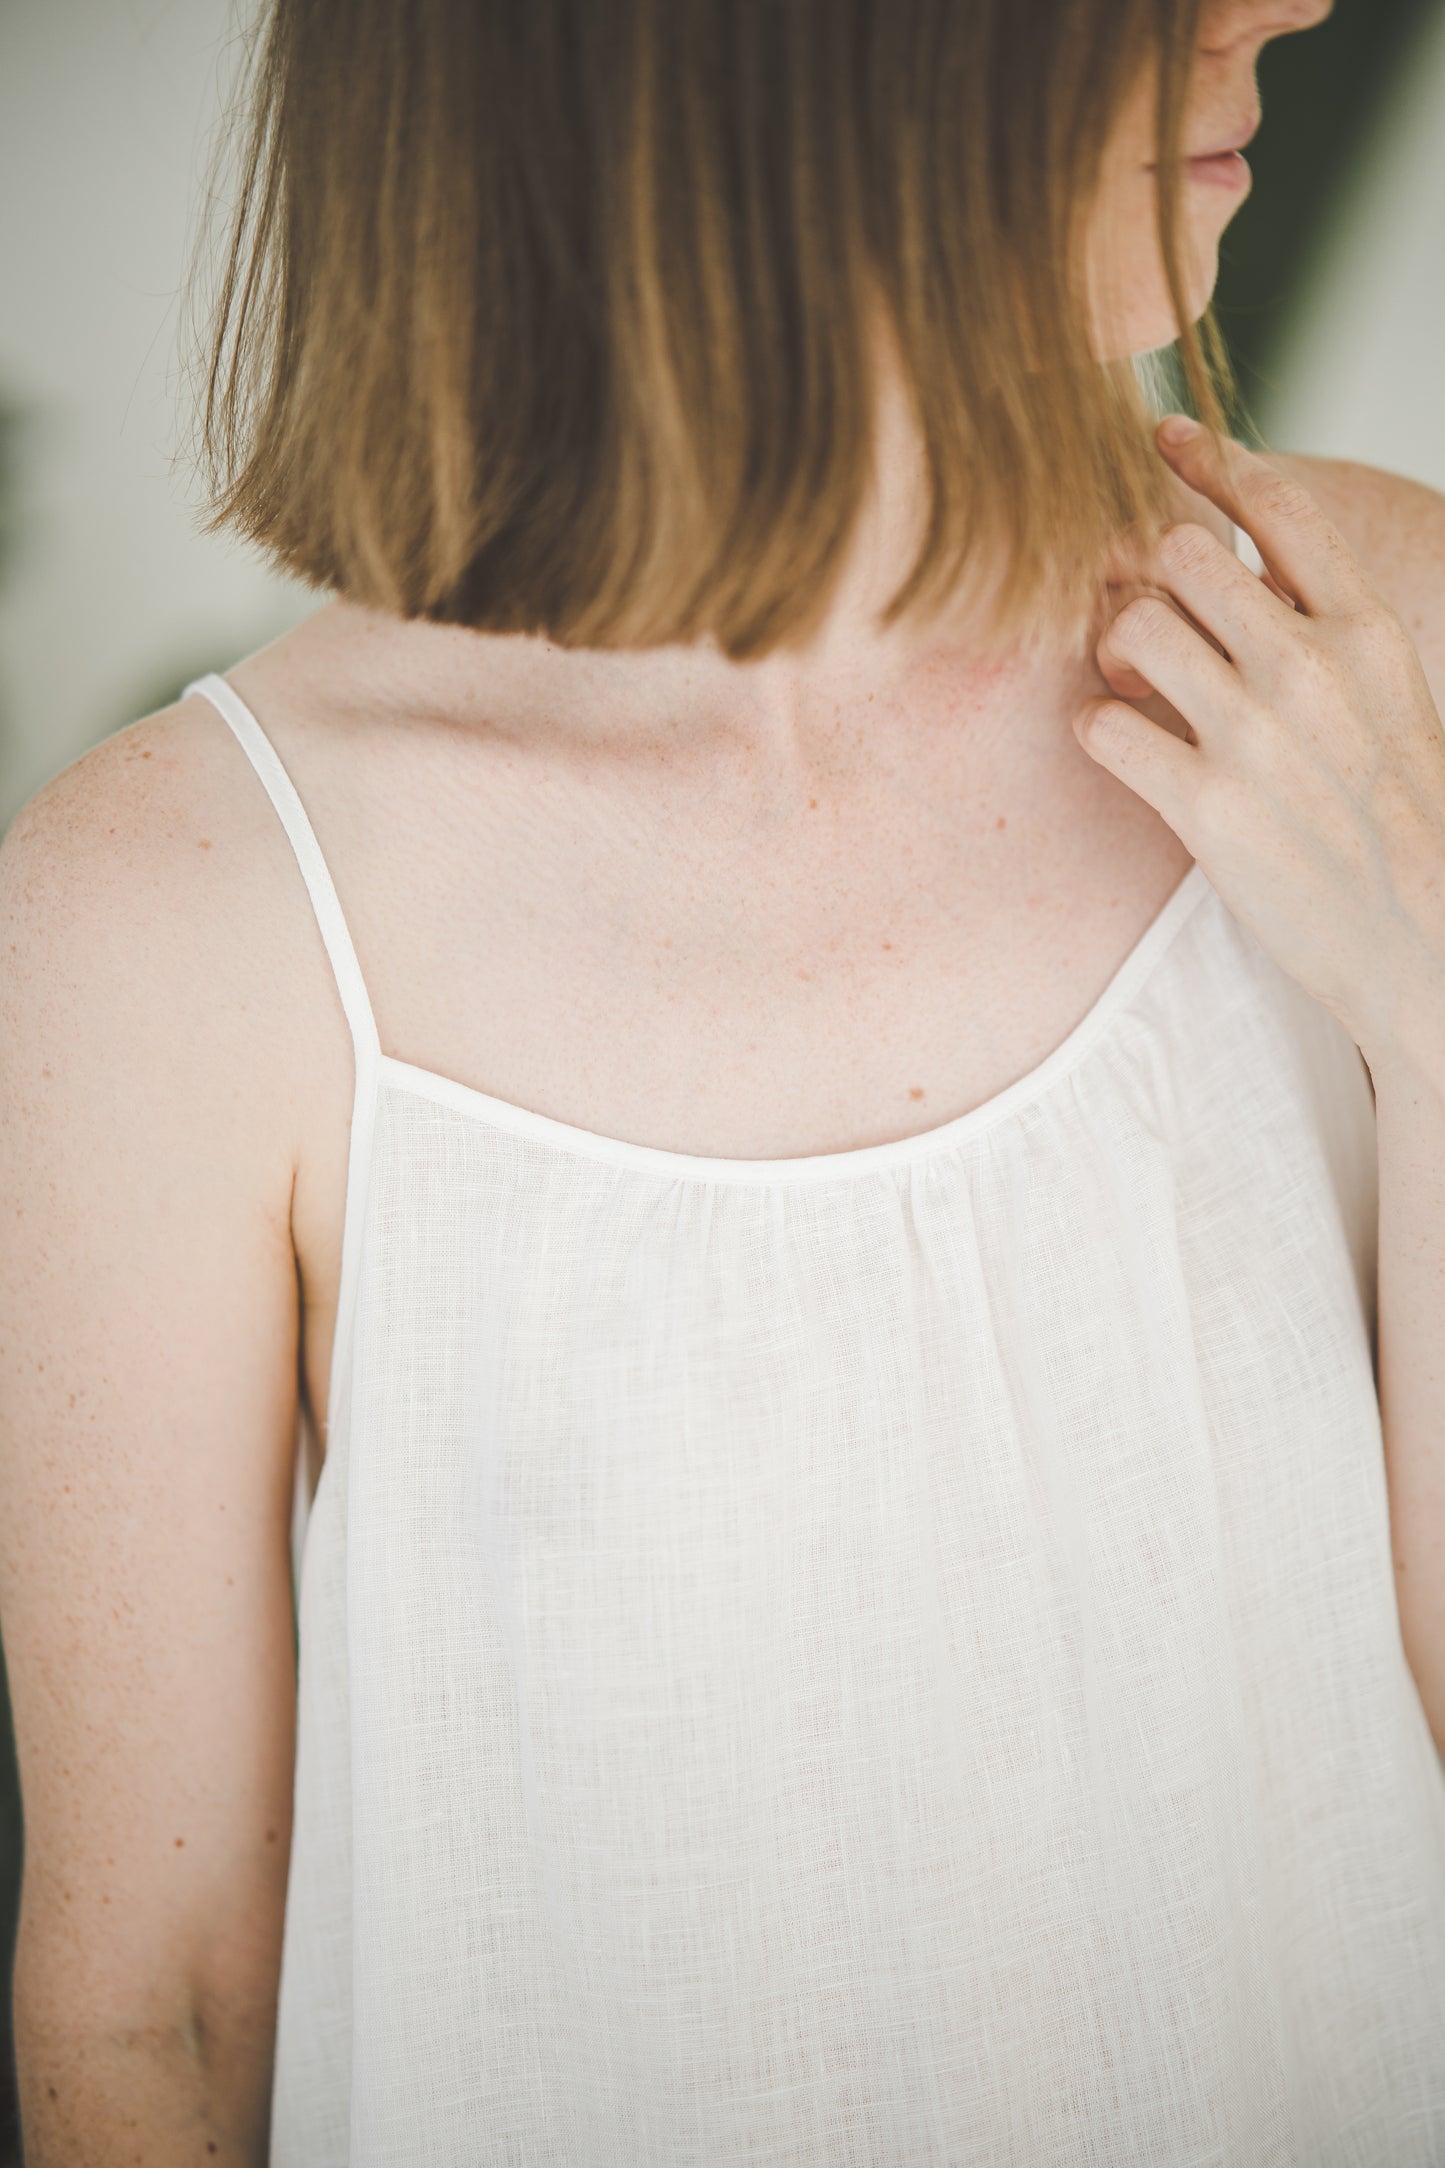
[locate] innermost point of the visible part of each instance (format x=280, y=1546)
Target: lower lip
x=1229, y=170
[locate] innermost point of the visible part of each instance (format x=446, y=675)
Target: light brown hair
x=553, y=316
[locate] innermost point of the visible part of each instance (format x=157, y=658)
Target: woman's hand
x=1313, y=795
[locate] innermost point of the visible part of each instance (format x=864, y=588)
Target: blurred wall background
x=110, y=599
x=1332, y=294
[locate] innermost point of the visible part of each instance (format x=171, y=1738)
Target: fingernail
x=1178, y=429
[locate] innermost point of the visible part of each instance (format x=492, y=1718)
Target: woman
x=816, y=1196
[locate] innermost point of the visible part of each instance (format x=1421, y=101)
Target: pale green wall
x=105, y=110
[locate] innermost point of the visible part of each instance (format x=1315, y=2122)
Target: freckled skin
x=150, y=1525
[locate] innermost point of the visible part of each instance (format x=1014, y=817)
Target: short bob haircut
x=553, y=316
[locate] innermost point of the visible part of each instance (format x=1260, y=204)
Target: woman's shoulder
x=1395, y=526
x=159, y=780
x=135, y=926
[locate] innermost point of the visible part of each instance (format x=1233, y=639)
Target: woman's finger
x=1151, y=638
x=1250, y=619
x=1300, y=547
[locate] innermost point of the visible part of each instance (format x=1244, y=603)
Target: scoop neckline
x=538, y=1128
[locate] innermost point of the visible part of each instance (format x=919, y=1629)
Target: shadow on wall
x=1320, y=92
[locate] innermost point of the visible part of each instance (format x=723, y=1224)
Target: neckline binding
x=537, y=1128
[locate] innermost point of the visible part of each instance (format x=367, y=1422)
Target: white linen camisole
x=881, y=1658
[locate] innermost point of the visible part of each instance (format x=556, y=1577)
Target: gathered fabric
x=880, y=1658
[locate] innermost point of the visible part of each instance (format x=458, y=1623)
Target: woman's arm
x=148, y=1379
x=1410, y=1106
x=1396, y=527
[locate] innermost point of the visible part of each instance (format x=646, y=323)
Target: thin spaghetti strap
x=319, y=886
